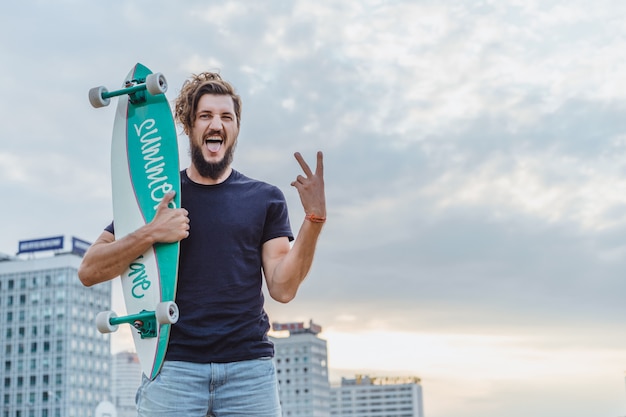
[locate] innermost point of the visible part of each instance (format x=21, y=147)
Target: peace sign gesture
x=311, y=187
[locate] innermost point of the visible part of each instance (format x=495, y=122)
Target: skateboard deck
x=144, y=168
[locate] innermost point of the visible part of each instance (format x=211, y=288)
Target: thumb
x=166, y=200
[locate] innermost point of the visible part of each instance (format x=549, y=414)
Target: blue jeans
x=236, y=389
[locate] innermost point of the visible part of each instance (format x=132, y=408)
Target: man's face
x=213, y=135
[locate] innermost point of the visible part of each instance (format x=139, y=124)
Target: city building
x=126, y=378
x=366, y=396
x=302, y=366
x=54, y=362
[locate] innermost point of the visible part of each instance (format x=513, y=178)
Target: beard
x=213, y=170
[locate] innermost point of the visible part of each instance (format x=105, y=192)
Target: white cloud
x=552, y=187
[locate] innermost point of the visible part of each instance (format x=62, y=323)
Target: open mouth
x=213, y=144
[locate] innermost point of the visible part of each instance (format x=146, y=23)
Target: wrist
x=315, y=219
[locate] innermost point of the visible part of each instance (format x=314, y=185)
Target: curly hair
x=197, y=86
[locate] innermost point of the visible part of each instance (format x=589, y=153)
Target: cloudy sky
x=475, y=157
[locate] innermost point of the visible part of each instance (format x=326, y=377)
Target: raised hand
x=311, y=187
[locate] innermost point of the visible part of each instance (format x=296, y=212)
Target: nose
x=216, y=124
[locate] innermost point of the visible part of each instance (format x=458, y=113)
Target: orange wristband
x=315, y=219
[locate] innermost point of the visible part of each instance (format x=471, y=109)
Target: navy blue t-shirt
x=219, y=292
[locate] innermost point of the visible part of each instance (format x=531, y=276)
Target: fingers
x=180, y=223
x=171, y=224
x=311, y=186
x=299, y=179
x=319, y=169
x=303, y=164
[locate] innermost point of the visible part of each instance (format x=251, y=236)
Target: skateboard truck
x=154, y=84
x=145, y=322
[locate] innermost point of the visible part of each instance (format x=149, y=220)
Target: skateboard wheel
x=95, y=97
x=156, y=84
x=103, y=322
x=166, y=312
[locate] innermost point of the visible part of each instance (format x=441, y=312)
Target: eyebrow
x=200, y=111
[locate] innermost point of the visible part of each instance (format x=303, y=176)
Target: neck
x=195, y=176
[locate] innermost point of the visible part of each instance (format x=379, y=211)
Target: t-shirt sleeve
x=277, y=219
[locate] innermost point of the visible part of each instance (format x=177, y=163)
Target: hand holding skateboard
x=169, y=224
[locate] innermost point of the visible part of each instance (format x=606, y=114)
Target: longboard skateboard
x=144, y=167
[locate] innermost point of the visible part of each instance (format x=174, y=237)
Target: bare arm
x=108, y=258
x=286, y=268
